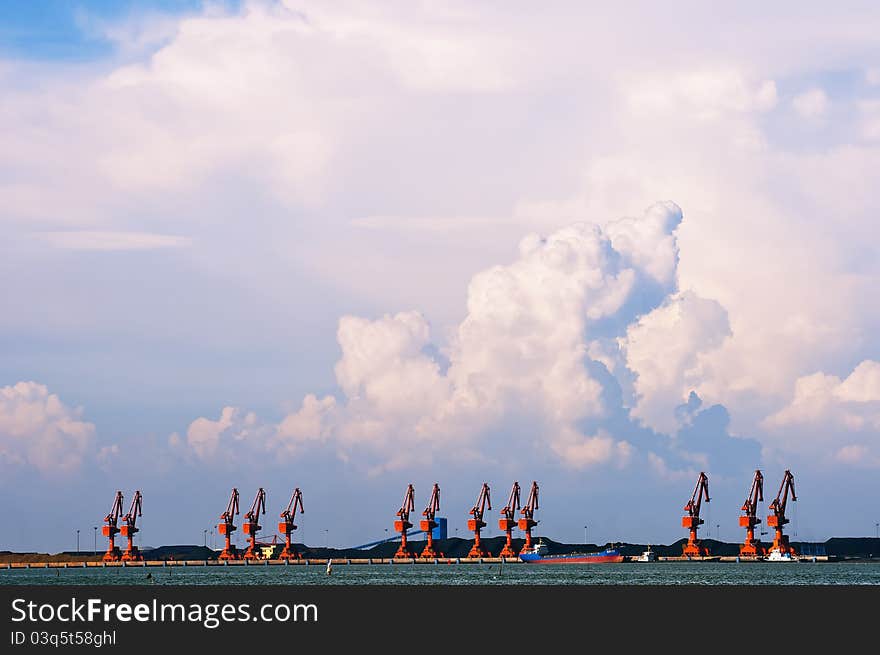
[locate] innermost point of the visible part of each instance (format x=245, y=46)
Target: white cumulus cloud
x=521, y=356
x=40, y=431
x=827, y=411
x=665, y=349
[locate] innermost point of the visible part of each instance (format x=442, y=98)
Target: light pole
x=326, y=537
x=77, y=541
x=877, y=530
x=95, y=528
x=585, y=535
x=718, y=531
x=205, y=531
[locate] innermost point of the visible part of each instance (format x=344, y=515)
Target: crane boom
x=428, y=524
x=778, y=518
x=110, y=530
x=476, y=524
x=130, y=528
x=252, y=524
x=693, y=547
x=527, y=522
x=402, y=523
x=508, y=520
x=752, y=547
x=227, y=527
x=286, y=526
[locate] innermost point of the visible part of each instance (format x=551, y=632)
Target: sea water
x=629, y=573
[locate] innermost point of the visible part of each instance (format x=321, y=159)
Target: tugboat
x=777, y=555
x=647, y=556
x=538, y=555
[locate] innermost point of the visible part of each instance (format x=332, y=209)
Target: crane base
x=133, y=555
x=753, y=549
x=507, y=551
x=229, y=554
x=289, y=554
x=695, y=551
x=112, y=556
x=478, y=552
x=430, y=553
x=403, y=553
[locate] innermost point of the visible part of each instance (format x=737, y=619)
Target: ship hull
x=573, y=558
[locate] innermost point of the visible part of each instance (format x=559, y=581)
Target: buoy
x=329, y=567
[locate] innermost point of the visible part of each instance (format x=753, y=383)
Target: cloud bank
x=541, y=344
x=39, y=431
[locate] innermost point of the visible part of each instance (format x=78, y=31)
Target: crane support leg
x=478, y=549
x=507, y=526
x=403, y=551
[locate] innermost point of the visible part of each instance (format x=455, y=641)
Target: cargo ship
x=538, y=555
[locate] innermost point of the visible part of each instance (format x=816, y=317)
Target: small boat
x=539, y=555
x=777, y=555
x=647, y=556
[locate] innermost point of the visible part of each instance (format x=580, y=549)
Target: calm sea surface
x=659, y=573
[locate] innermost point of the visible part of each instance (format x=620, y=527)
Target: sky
x=348, y=246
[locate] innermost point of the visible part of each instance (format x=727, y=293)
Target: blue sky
x=348, y=246
x=59, y=30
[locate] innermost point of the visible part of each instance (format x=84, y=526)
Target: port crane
x=752, y=547
x=428, y=524
x=227, y=527
x=508, y=522
x=476, y=524
x=402, y=523
x=778, y=519
x=286, y=526
x=693, y=547
x=252, y=524
x=527, y=522
x=110, y=530
x=132, y=554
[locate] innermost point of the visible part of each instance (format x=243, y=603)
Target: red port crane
x=752, y=547
x=527, y=522
x=252, y=524
x=693, y=547
x=110, y=530
x=428, y=524
x=778, y=519
x=476, y=524
x=508, y=523
x=132, y=554
x=287, y=526
x=226, y=528
x=402, y=523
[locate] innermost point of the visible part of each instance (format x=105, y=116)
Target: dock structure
x=345, y=561
x=334, y=561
